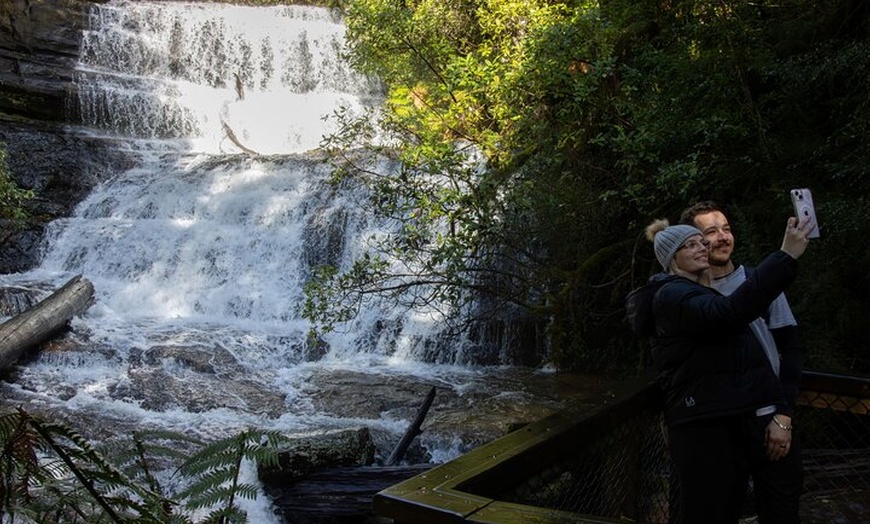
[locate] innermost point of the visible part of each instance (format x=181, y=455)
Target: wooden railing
x=611, y=465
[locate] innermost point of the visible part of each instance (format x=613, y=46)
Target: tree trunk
x=39, y=323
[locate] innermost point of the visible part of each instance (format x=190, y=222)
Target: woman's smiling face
x=691, y=257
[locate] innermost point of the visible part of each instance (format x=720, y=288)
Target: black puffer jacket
x=709, y=362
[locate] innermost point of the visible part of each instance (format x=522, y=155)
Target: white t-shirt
x=779, y=315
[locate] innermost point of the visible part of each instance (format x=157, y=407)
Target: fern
x=215, y=471
x=18, y=463
x=116, y=494
x=53, y=474
x=152, y=451
x=49, y=473
x=226, y=516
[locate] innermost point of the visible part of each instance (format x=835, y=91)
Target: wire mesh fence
x=625, y=473
x=833, y=418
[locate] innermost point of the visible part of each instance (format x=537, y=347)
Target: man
x=775, y=467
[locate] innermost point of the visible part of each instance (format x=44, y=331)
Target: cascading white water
x=209, y=236
x=200, y=252
x=208, y=72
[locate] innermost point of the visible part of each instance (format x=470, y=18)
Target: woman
x=711, y=369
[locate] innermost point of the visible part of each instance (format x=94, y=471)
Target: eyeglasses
x=695, y=245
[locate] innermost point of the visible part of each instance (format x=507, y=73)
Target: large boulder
x=305, y=455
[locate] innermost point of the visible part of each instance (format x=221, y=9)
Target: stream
x=199, y=253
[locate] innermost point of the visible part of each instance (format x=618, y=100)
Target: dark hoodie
x=709, y=362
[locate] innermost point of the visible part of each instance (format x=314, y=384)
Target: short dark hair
x=700, y=208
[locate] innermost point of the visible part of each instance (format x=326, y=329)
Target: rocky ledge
x=39, y=46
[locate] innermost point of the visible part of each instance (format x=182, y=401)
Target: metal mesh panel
x=626, y=472
x=835, y=429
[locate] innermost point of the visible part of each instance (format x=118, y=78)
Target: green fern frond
x=149, y=453
x=114, y=492
x=208, y=481
x=247, y=491
x=221, y=494
x=272, y=438
x=20, y=447
x=223, y=452
x=264, y=447
x=50, y=473
x=257, y=445
x=213, y=497
x=217, y=466
x=232, y=515
x=53, y=468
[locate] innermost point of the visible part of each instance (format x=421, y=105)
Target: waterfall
x=199, y=235
x=200, y=252
x=196, y=71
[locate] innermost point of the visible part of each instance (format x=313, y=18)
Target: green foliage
x=51, y=473
x=41, y=459
x=12, y=198
x=332, y=297
x=216, y=468
x=478, y=138
x=590, y=119
x=20, y=465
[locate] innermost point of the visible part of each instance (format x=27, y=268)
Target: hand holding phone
x=802, y=200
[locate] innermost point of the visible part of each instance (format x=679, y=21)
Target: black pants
x=714, y=460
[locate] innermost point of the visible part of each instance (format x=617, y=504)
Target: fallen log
x=337, y=495
x=302, y=456
x=40, y=322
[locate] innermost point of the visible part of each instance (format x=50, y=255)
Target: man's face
x=717, y=231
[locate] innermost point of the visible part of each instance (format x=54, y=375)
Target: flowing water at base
x=199, y=254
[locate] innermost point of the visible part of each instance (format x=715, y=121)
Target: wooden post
x=413, y=431
x=43, y=320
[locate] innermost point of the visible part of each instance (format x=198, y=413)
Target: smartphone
x=802, y=200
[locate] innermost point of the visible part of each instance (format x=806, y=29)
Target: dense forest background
x=593, y=118
x=536, y=139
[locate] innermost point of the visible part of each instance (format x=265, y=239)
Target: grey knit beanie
x=667, y=239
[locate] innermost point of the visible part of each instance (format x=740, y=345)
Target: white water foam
x=221, y=77
x=195, y=248
x=205, y=250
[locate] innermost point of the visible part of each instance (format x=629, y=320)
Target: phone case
x=802, y=200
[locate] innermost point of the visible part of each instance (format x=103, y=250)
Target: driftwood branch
x=232, y=136
x=40, y=322
x=240, y=87
x=412, y=432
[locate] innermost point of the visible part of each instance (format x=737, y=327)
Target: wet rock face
x=39, y=45
x=202, y=379
x=15, y=300
x=61, y=168
x=304, y=455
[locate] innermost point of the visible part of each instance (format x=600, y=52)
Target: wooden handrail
x=466, y=490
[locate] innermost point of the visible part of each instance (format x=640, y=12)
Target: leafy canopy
x=529, y=142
